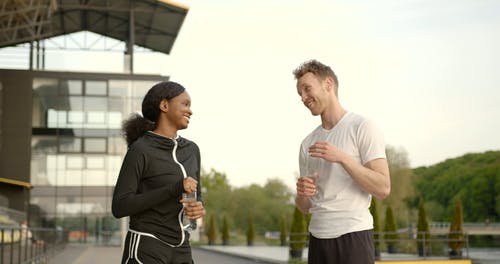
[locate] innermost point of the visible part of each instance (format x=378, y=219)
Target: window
x=71, y=87
x=95, y=145
x=96, y=117
x=70, y=144
x=76, y=117
x=119, y=88
x=98, y=88
x=74, y=162
x=115, y=119
x=95, y=162
x=141, y=88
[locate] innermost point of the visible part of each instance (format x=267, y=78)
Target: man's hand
x=306, y=186
x=327, y=151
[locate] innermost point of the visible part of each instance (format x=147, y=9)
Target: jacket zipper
x=184, y=174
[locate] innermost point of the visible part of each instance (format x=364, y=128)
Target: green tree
x=278, y=197
x=250, y=232
x=497, y=192
x=249, y=195
x=403, y=177
x=390, y=230
x=473, y=176
x=376, y=227
x=456, y=235
x=283, y=233
x=482, y=188
x=423, y=234
x=269, y=203
x=212, y=230
x=216, y=192
x=298, y=236
x=225, y=231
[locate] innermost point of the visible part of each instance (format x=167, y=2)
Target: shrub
x=298, y=236
x=376, y=226
x=250, y=232
x=456, y=235
x=225, y=231
x=212, y=230
x=283, y=233
x=390, y=230
x=423, y=234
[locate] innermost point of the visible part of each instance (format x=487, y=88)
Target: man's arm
x=303, y=203
x=373, y=177
x=305, y=186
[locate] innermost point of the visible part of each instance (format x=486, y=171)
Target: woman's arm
x=126, y=200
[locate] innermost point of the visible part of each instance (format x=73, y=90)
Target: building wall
x=60, y=131
x=15, y=148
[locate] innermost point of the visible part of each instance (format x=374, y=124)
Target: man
x=342, y=164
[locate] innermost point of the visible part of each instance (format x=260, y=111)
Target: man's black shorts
x=350, y=248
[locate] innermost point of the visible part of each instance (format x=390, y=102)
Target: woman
x=158, y=167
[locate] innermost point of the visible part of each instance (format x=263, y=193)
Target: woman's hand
x=193, y=210
x=190, y=184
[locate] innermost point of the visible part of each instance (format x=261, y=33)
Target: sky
x=427, y=72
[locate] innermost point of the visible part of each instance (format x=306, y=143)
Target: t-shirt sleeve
x=371, y=142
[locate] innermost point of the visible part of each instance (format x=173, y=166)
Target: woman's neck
x=165, y=131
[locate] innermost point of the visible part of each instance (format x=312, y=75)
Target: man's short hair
x=318, y=69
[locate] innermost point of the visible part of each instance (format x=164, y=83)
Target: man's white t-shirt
x=341, y=206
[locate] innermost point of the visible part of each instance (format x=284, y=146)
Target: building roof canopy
x=156, y=24
x=17, y=183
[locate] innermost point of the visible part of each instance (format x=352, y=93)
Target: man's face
x=312, y=92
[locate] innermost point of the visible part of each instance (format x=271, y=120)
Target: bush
x=298, y=236
x=283, y=233
x=390, y=229
x=250, y=232
x=423, y=234
x=225, y=231
x=376, y=227
x=211, y=230
x=456, y=235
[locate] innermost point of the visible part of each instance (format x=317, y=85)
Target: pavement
x=92, y=254
x=87, y=254
x=266, y=254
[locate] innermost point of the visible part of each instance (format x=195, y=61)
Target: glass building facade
x=77, y=150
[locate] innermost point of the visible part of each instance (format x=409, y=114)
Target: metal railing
x=29, y=245
x=11, y=216
x=427, y=244
x=464, y=225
